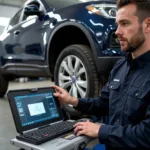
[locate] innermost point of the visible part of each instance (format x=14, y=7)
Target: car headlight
x=106, y=10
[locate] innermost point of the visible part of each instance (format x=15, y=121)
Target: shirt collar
x=139, y=61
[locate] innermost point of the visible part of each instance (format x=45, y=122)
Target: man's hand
x=87, y=128
x=64, y=96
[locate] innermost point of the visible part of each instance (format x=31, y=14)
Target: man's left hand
x=87, y=128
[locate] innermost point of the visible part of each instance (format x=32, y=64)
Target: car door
x=8, y=56
x=29, y=43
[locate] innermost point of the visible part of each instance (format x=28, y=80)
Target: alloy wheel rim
x=73, y=76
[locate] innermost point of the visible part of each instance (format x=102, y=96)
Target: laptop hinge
x=50, y=124
x=56, y=122
x=29, y=130
x=44, y=126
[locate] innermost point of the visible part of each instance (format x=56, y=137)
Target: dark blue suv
x=72, y=41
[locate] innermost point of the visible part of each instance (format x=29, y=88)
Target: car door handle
x=17, y=32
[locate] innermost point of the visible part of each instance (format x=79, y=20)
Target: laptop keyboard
x=46, y=133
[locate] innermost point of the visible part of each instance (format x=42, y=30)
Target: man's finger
x=59, y=89
x=79, y=124
x=78, y=128
x=81, y=132
x=56, y=94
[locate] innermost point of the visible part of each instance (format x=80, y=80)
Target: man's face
x=129, y=31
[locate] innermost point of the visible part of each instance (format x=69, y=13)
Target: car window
x=15, y=20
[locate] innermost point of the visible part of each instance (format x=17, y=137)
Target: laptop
x=38, y=115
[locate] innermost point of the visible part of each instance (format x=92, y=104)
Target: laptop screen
x=34, y=108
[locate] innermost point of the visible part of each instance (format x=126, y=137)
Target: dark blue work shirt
x=126, y=100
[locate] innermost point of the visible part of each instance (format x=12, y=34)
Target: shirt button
x=131, y=72
x=111, y=86
x=136, y=94
x=118, y=120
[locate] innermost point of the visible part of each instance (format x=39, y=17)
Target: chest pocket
x=136, y=104
x=136, y=92
x=114, y=94
x=114, y=85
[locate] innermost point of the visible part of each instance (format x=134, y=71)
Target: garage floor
x=7, y=127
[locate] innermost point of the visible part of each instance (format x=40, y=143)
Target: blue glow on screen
x=36, y=108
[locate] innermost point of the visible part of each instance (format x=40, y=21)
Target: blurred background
x=7, y=9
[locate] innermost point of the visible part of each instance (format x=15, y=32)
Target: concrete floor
x=7, y=127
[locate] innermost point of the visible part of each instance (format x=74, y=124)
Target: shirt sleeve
x=130, y=136
x=95, y=106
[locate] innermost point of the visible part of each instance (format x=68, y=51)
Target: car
x=71, y=41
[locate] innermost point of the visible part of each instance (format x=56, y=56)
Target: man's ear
x=147, y=23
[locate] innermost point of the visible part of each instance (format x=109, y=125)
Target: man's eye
x=124, y=24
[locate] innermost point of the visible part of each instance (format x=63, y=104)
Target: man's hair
x=142, y=7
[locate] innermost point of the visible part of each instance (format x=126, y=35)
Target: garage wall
x=6, y=12
x=7, y=9
x=12, y=2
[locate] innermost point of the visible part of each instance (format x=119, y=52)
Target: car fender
x=82, y=27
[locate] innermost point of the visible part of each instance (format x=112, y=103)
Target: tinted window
x=15, y=20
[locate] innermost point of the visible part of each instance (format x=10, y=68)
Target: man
x=126, y=96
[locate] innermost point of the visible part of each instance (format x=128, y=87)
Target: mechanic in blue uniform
x=126, y=96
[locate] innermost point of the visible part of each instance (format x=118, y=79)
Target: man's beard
x=136, y=41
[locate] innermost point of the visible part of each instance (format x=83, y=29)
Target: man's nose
x=118, y=31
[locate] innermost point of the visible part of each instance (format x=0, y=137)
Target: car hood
x=57, y=4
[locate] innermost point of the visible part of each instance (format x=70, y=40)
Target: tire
x=3, y=85
x=80, y=82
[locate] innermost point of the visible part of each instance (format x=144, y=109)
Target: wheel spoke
x=64, y=65
x=77, y=64
x=82, y=83
x=63, y=77
x=82, y=70
x=74, y=91
x=70, y=64
x=65, y=84
x=81, y=91
x=70, y=91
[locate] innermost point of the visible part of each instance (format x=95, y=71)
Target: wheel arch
x=56, y=36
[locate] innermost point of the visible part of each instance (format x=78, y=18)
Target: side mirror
x=33, y=9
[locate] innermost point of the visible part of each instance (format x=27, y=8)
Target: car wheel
x=3, y=85
x=75, y=71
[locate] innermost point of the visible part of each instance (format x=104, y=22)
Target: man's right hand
x=64, y=96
